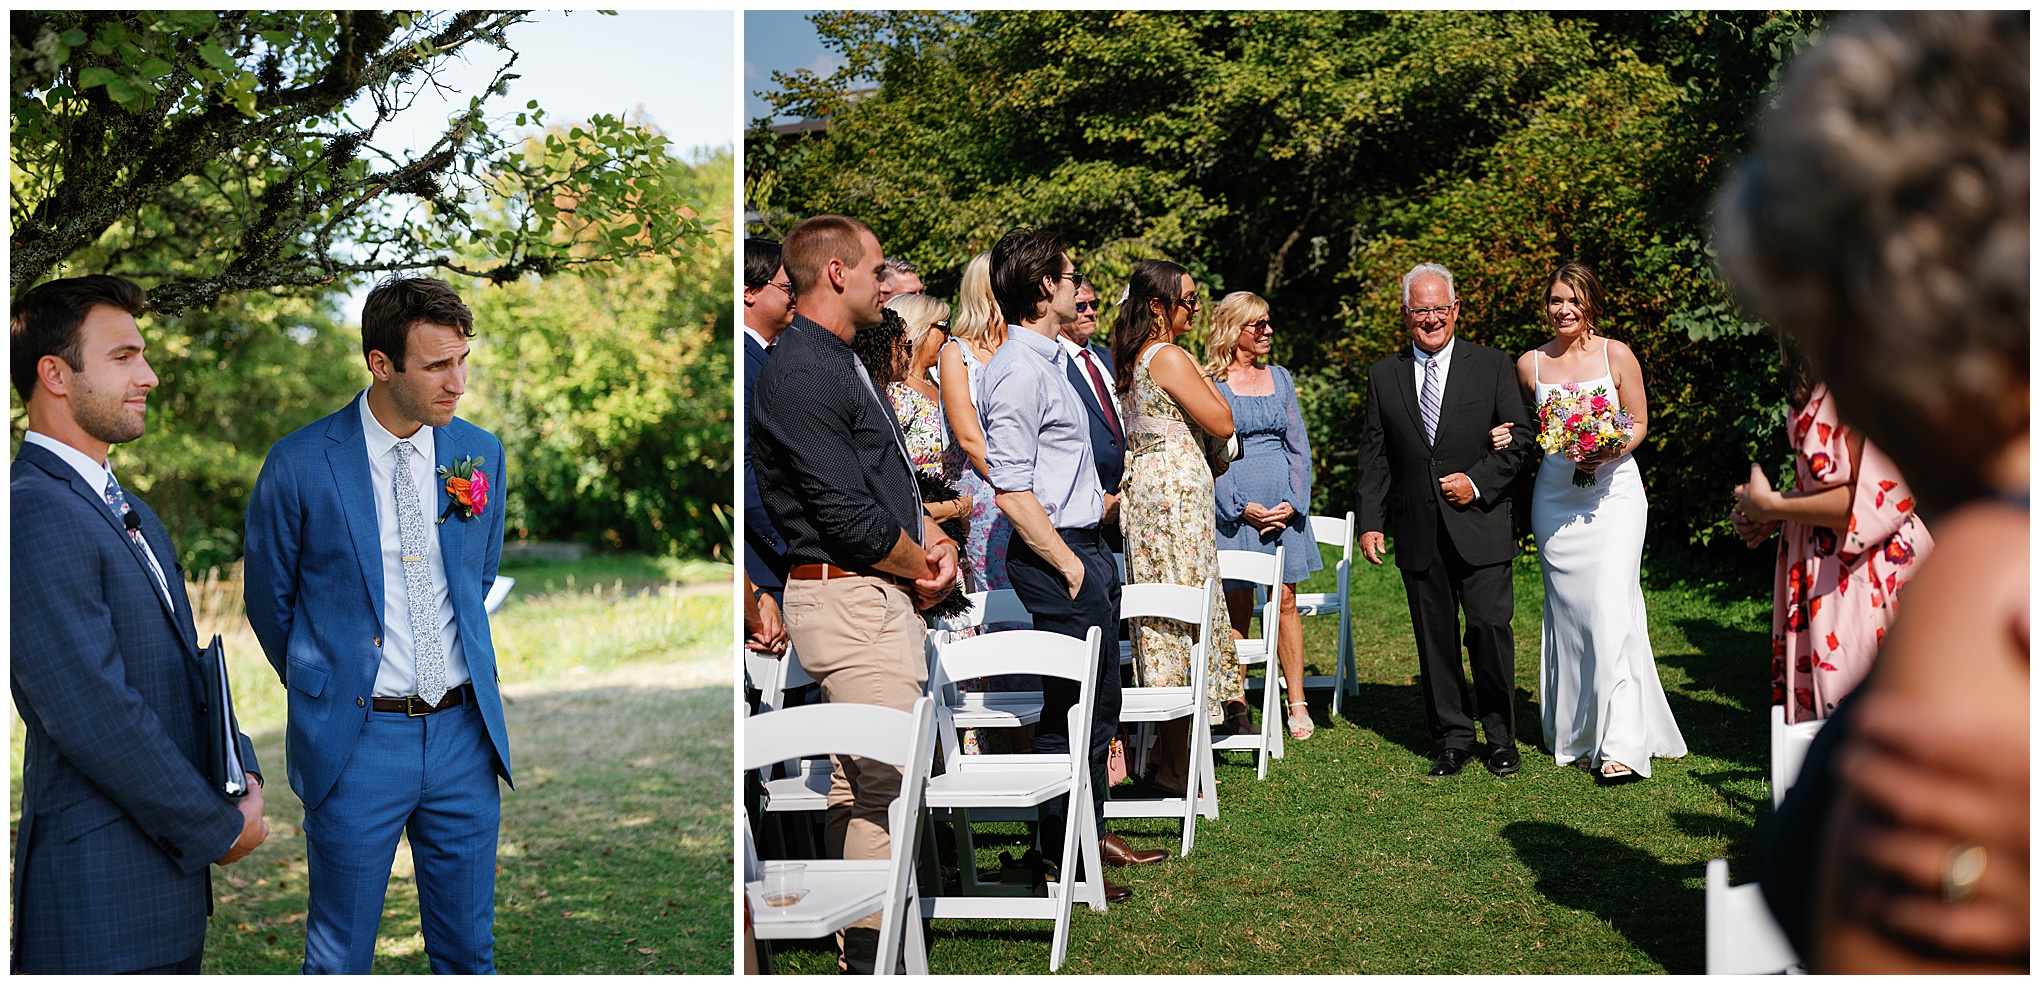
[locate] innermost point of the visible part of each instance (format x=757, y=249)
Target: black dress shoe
x=1116, y=893
x=1504, y=761
x=1449, y=761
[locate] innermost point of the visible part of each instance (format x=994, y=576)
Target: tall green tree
x=612, y=394
x=211, y=153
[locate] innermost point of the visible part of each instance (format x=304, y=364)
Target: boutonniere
x=467, y=488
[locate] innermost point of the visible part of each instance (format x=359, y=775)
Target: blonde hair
x=1228, y=318
x=977, y=313
x=920, y=312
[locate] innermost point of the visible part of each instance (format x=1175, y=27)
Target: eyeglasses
x=1084, y=306
x=941, y=326
x=787, y=287
x=1440, y=310
x=1076, y=277
x=1258, y=325
x=1192, y=302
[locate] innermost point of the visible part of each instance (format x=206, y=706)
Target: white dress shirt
x=1085, y=355
x=95, y=475
x=1444, y=359
x=397, y=677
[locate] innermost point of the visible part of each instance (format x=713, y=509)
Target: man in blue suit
x=118, y=820
x=1090, y=371
x=768, y=309
x=373, y=536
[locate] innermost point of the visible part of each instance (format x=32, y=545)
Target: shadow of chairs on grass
x=1645, y=900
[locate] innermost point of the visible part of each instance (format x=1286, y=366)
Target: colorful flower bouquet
x=1577, y=423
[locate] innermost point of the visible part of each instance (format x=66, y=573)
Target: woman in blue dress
x=1264, y=498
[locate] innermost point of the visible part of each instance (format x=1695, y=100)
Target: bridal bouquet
x=1577, y=423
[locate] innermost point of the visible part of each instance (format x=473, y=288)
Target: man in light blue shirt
x=1038, y=458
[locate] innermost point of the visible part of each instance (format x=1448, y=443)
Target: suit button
x=360, y=702
x=378, y=640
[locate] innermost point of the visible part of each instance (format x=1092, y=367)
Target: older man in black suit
x=1430, y=471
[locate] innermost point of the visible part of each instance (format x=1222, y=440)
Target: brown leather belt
x=416, y=707
x=825, y=571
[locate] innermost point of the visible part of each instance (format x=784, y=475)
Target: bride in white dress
x=1604, y=708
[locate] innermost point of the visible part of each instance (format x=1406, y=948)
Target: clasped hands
x=1753, y=501
x=1268, y=519
x=941, y=576
x=254, y=830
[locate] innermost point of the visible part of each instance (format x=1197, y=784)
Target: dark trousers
x=1437, y=594
x=1046, y=595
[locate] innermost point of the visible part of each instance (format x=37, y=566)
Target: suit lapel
x=348, y=458
x=1085, y=392
x=452, y=533
x=1405, y=383
x=62, y=470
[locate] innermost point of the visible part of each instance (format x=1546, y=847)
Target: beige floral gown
x=1171, y=535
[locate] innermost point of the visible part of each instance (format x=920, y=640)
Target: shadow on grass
x=614, y=853
x=1645, y=900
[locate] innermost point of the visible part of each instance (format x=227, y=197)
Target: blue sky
x=779, y=41
x=678, y=66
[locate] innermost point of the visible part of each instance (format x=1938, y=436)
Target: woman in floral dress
x=1166, y=509
x=1849, y=542
x=976, y=331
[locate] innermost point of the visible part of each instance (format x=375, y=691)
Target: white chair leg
x=1206, y=778
x=1093, y=886
x=916, y=941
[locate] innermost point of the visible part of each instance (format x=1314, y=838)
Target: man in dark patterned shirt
x=862, y=554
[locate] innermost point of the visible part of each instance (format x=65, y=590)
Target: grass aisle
x=614, y=852
x=1349, y=859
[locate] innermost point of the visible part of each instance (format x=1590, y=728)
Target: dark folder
x=222, y=732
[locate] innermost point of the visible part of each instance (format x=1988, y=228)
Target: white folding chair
x=1339, y=602
x=1021, y=780
x=1265, y=571
x=498, y=591
x=1789, y=744
x=806, y=785
x=1742, y=938
x=843, y=891
x=1162, y=704
x=990, y=709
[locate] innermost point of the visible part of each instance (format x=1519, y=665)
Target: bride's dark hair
x=1135, y=324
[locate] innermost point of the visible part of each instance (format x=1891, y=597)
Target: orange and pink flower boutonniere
x=467, y=488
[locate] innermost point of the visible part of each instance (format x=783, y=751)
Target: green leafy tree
x=214, y=153
x=613, y=394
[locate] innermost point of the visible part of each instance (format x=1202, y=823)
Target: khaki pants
x=861, y=639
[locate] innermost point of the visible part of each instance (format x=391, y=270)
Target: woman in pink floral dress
x=1849, y=542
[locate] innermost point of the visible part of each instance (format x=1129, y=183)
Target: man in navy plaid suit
x=118, y=821
x=367, y=566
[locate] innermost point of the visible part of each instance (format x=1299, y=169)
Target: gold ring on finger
x=1961, y=870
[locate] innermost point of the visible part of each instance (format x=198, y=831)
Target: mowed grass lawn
x=1349, y=859
x=614, y=852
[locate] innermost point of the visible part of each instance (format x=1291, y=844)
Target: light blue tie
x=118, y=500
x=1430, y=400
x=426, y=650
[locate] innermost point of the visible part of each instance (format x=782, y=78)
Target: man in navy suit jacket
x=118, y=820
x=373, y=536
x=768, y=309
x=1090, y=371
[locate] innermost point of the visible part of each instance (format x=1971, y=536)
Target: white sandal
x=1301, y=731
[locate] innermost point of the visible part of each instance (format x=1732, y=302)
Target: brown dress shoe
x=1116, y=893
x=1115, y=852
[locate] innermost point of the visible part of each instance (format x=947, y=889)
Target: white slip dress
x=1601, y=697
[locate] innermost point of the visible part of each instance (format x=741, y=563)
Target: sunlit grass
x=614, y=854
